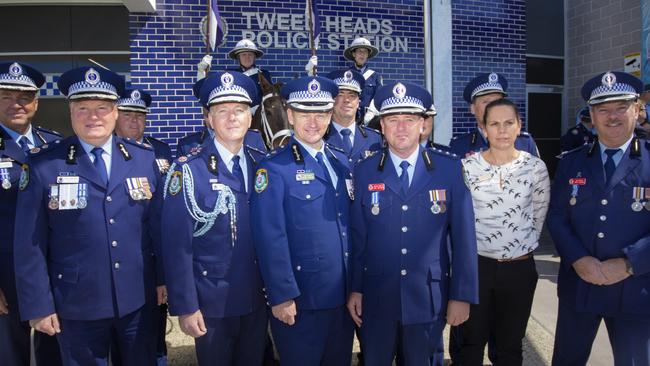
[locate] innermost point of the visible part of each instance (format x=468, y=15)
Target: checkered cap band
x=21, y=82
x=304, y=96
x=481, y=89
x=348, y=84
x=234, y=93
x=406, y=102
x=617, y=89
x=128, y=102
x=101, y=88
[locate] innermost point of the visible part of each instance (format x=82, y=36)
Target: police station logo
x=224, y=27
x=261, y=180
x=135, y=95
x=15, y=69
x=493, y=78
x=609, y=79
x=313, y=87
x=92, y=77
x=227, y=80
x=347, y=76
x=399, y=90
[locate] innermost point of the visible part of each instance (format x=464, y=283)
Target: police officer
x=19, y=85
x=211, y=268
x=357, y=141
x=246, y=53
x=408, y=200
x=582, y=133
x=360, y=51
x=598, y=189
x=301, y=212
x=478, y=93
x=89, y=210
x=193, y=141
x=426, y=138
x=133, y=107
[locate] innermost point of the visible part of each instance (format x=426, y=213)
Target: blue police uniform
x=301, y=238
x=575, y=137
x=401, y=261
x=246, y=45
x=208, y=249
x=14, y=334
x=474, y=141
x=585, y=218
x=138, y=100
x=84, y=253
x=364, y=140
x=373, y=81
x=194, y=140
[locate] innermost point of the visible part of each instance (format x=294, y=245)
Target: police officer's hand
x=192, y=324
x=4, y=305
x=588, y=268
x=285, y=312
x=161, y=294
x=614, y=270
x=311, y=64
x=457, y=312
x=354, y=307
x=48, y=324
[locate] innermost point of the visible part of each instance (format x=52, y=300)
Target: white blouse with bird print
x=510, y=204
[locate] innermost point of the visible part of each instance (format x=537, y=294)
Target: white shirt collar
x=15, y=135
x=412, y=159
x=226, y=155
x=338, y=128
x=311, y=151
x=107, y=147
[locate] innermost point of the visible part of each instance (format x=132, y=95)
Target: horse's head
x=271, y=116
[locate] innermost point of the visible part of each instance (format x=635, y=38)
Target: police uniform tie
x=321, y=162
x=237, y=172
x=610, y=167
x=347, y=144
x=100, y=165
x=23, y=142
x=404, y=177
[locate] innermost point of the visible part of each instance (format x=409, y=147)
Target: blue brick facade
x=167, y=45
x=487, y=36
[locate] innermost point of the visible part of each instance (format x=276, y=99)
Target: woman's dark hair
x=500, y=102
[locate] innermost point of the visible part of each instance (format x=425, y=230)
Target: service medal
x=83, y=202
x=435, y=208
x=637, y=206
x=637, y=194
x=443, y=207
x=82, y=196
x=53, y=204
x=573, y=201
x=375, y=210
x=647, y=205
x=73, y=202
x=6, y=184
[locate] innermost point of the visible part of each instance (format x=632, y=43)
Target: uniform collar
x=226, y=155
x=617, y=157
x=412, y=159
x=310, y=150
x=15, y=135
x=338, y=128
x=107, y=147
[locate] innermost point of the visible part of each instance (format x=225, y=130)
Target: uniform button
x=298, y=268
x=117, y=265
x=347, y=254
x=255, y=261
x=308, y=196
x=60, y=276
x=403, y=272
x=343, y=235
x=263, y=289
x=404, y=229
x=204, y=273
x=405, y=207
x=114, y=243
x=350, y=160
x=603, y=218
x=601, y=235
x=404, y=251
x=340, y=214
x=603, y=202
x=109, y=198
x=336, y=194
x=111, y=221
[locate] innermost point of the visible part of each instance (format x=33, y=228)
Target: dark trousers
x=575, y=333
x=15, y=343
x=87, y=342
x=317, y=338
x=234, y=341
x=506, y=291
x=161, y=345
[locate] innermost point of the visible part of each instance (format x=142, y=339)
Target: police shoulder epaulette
x=368, y=155
x=185, y=158
x=142, y=145
x=524, y=134
x=51, y=146
x=278, y=150
x=370, y=129
x=441, y=152
x=579, y=148
x=255, y=130
x=52, y=132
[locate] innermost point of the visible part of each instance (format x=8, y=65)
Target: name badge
x=5, y=164
x=217, y=186
x=67, y=179
x=304, y=176
x=376, y=187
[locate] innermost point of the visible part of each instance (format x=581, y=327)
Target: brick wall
x=600, y=33
x=487, y=36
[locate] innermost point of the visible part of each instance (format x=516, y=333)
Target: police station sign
x=283, y=30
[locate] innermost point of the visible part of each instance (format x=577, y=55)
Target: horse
x=270, y=118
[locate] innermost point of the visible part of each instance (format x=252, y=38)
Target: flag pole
x=311, y=30
x=207, y=32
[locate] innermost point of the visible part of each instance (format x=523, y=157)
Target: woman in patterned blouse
x=510, y=192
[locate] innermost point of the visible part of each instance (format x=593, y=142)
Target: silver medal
x=573, y=201
x=637, y=206
x=435, y=208
x=647, y=205
x=6, y=184
x=375, y=210
x=83, y=202
x=53, y=204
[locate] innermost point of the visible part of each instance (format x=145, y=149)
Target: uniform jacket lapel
x=594, y=165
x=223, y=174
x=389, y=176
x=625, y=166
x=421, y=176
x=84, y=165
x=120, y=168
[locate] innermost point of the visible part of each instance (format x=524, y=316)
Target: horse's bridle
x=269, y=136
